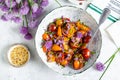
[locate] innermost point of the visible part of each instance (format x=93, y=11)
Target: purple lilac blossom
x=38, y=12
x=34, y=7
x=33, y=24
x=44, y=3
x=1, y=0
x=16, y=19
x=9, y=15
x=23, y=30
x=10, y=4
x=4, y=8
x=28, y=36
x=24, y=10
x=99, y=66
x=15, y=9
x=3, y=18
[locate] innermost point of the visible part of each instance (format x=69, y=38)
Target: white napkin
x=114, y=33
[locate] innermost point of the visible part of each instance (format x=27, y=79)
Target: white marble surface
x=36, y=69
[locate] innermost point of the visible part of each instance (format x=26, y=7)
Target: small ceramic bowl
x=18, y=55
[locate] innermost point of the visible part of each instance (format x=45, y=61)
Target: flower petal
x=99, y=66
x=24, y=10
x=28, y=36
x=23, y=30
x=34, y=7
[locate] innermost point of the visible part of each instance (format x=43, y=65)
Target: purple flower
x=10, y=4
x=16, y=19
x=4, y=8
x=48, y=44
x=4, y=18
x=23, y=30
x=1, y=0
x=44, y=3
x=99, y=66
x=15, y=9
x=28, y=36
x=34, y=7
x=24, y=10
x=79, y=35
x=38, y=12
x=33, y=24
x=9, y=15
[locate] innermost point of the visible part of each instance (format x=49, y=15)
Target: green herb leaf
x=92, y=52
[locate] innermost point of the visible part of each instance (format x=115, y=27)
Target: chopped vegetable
x=65, y=43
x=59, y=32
x=56, y=48
x=45, y=36
x=59, y=22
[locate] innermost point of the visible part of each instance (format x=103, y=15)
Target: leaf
x=92, y=52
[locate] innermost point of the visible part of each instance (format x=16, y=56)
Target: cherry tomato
x=52, y=27
x=77, y=64
x=78, y=61
x=59, y=57
x=86, y=53
x=46, y=36
x=44, y=49
x=87, y=39
x=68, y=56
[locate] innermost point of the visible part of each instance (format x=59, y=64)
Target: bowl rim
x=98, y=30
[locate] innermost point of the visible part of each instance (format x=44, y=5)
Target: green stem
x=107, y=67
x=26, y=21
x=11, y=5
x=58, y=3
x=23, y=21
x=112, y=55
x=110, y=59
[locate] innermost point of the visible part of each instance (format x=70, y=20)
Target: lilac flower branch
x=19, y=11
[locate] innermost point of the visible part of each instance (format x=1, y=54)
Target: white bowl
x=74, y=14
x=9, y=54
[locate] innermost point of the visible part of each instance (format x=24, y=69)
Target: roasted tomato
x=46, y=36
x=86, y=39
x=59, y=57
x=78, y=61
x=86, y=53
x=68, y=56
x=44, y=48
x=55, y=47
x=52, y=27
